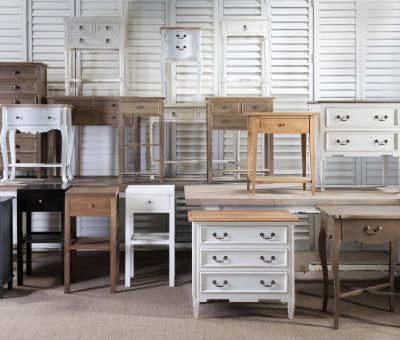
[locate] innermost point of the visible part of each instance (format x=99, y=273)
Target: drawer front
x=181, y=50
x=362, y=141
x=370, y=231
x=243, y=258
x=107, y=28
x=221, y=108
x=244, y=235
x=17, y=87
x=229, y=122
x=29, y=145
x=79, y=105
x=178, y=114
x=181, y=36
x=23, y=158
x=103, y=119
x=201, y=115
x=245, y=28
x=285, y=125
x=18, y=100
x=269, y=282
x=257, y=107
x=33, y=118
x=41, y=201
x=93, y=41
x=89, y=206
x=79, y=118
x=105, y=106
x=17, y=72
x=82, y=28
x=149, y=203
x=374, y=117
x=142, y=108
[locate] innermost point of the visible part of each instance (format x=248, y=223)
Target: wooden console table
x=366, y=224
x=281, y=122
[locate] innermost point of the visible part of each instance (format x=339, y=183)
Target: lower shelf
x=281, y=179
x=150, y=238
x=99, y=243
x=43, y=237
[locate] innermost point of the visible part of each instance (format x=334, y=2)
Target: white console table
x=37, y=119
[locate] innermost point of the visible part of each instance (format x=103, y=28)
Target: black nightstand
x=38, y=198
x=6, y=243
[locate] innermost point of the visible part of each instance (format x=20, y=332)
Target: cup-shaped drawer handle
x=381, y=118
x=281, y=124
x=245, y=28
x=107, y=28
x=18, y=117
x=271, y=237
x=218, y=260
x=272, y=258
x=15, y=87
x=343, y=142
x=81, y=40
x=216, y=284
x=81, y=28
x=343, y=118
x=108, y=41
x=381, y=142
x=15, y=72
x=91, y=205
x=173, y=114
x=224, y=235
x=17, y=146
x=181, y=48
x=16, y=101
x=266, y=285
x=371, y=232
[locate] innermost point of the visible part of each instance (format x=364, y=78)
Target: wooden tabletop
x=241, y=98
x=241, y=216
x=100, y=191
x=281, y=114
x=383, y=101
x=361, y=211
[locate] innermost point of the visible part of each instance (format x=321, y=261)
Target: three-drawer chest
x=24, y=83
x=358, y=129
x=242, y=256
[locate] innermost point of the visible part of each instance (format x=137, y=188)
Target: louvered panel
x=47, y=39
x=12, y=33
x=100, y=8
x=373, y=171
x=240, y=7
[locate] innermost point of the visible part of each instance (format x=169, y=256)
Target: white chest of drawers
x=358, y=129
x=242, y=256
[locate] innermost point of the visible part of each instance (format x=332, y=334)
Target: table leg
x=335, y=261
x=304, y=157
x=324, y=265
x=248, y=173
x=67, y=254
x=113, y=247
x=28, y=244
x=70, y=149
x=64, y=144
x=20, y=254
x=62, y=245
x=11, y=138
x=253, y=126
x=392, y=268
x=4, y=152
x=312, y=154
x=209, y=151
x=322, y=174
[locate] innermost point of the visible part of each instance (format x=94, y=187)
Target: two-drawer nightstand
x=6, y=243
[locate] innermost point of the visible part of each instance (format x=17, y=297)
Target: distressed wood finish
x=241, y=216
x=370, y=225
x=91, y=201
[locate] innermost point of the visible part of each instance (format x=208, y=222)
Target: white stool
x=156, y=199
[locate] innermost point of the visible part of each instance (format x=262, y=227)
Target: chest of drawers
x=359, y=129
x=242, y=256
x=24, y=83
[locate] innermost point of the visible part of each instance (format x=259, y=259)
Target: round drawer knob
x=90, y=205
x=281, y=124
x=245, y=28
x=40, y=201
x=17, y=146
x=149, y=202
x=81, y=40
x=18, y=117
x=15, y=87
x=173, y=114
x=108, y=41
x=16, y=101
x=15, y=72
x=107, y=28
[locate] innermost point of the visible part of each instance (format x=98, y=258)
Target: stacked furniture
x=243, y=256
x=6, y=244
x=31, y=199
x=24, y=83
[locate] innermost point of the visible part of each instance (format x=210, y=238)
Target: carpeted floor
x=152, y=310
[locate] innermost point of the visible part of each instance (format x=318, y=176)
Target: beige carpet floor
x=152, y=310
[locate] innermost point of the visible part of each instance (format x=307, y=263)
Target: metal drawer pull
x=245, y=28
x=16, y=101
x=81, y=40
x=114, y=105
x=108, y=41
x=149, y=202
x=181, y=37
x=141, y=107
x=224, y=107
x=224, y=235
x=381, y=142
x=368, y=230
x=220, y=261
x=255, y=107
x=343, y=142
x=343, y=118
x=15, y=87
x=40, y=201
x=18, y=117
x=114, y=117
x=267, y=237
x=281, y=124
x=381, y=119
x=215, y=283
x=262, y=282
x=225, y=121
x=107, y=28
x=50, y=117
x=81, y=28
x=262, y=258
x=15, y=72
x=181, y=48
x=90, y=205
x=17, y=146
x=173, y=114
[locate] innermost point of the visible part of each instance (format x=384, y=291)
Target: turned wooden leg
x=304, y=157
x=324, y=265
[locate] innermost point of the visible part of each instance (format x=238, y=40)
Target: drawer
x=20, y=118
x=201, y=115
x=183, y=36
x=181, y=50
x=89, y=206
x=257, y=106
x=24, y=135
x=228, y=107
x=22, y=158
x=87, y=41
x=243, y=234
x=229, y=122
x=370, y=231
x=105, y=106
x=142, y=108
x=243, y=258
x=82, y=28
x=107, y=28
x=79, y=105
x=246, y=28
x=79, y=118
x=230, y=282
x=25, y=145
x=362, y=141
x=18, y=100
x=102, y=119
x=17, y=87
x=40, y=201
x=362, y=117
x=17, y=72
x=150, y=203
x=285, y=125
x=178, y=114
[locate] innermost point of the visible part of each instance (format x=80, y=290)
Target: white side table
x=156, y=199
x=37, y=119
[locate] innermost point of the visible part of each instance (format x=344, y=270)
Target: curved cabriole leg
x=290, y=312
x=196, y=311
